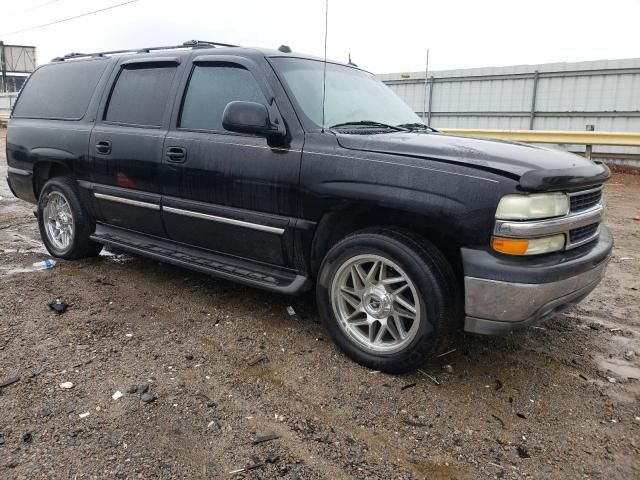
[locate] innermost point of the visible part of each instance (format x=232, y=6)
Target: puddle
x=117, y=257
x=616, y=363
x=619, y=367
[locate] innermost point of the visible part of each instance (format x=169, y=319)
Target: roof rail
x=187, y=44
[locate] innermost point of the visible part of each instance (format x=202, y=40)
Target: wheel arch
x=43, y=170
x=341, y=222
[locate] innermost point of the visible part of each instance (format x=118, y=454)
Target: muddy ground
x=229, y=365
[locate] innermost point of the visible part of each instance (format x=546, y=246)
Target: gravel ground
x=227, y=367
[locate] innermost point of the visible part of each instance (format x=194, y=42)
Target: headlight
x=530, y=246
x=529, y=207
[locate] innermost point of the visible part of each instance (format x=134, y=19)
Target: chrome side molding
x=127, y=201
x=229, y=221
x=191, y=213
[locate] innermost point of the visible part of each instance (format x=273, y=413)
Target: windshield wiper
x=370, y=123
x=416, y=126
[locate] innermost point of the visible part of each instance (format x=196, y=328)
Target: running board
x=215, y=264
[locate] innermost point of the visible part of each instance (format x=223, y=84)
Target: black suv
x=279, y=171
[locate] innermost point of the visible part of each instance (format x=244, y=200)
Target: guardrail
x=623, y=139
x=6, y=102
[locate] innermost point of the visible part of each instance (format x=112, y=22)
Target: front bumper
x=504, y=294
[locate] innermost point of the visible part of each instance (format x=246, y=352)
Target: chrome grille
x=584, y=200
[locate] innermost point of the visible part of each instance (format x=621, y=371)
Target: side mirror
x=249, y=117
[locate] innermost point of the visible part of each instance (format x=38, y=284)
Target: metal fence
x=557, y=96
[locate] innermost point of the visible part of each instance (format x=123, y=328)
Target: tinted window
x=351, y=95
x=140, y=96
x=210, y=89
x=60, y=90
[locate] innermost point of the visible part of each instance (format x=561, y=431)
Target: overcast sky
x=382, y=36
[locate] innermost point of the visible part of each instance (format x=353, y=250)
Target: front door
x=228, y=192
x=126, y=145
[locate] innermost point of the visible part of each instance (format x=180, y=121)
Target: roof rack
x=187, y=44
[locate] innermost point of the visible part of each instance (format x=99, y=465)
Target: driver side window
x=209, y=91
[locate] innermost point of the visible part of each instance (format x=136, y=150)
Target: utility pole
x=3, y=68
x=424, y=99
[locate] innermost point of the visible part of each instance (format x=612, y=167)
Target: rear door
x=229, y=192
x=126, y=143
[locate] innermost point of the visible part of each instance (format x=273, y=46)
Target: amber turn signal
x=510, y=246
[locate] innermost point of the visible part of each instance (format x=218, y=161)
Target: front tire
x=65, y=225
x=388, y=298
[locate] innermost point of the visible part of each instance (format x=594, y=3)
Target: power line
x=67, y=19
x=35, y=7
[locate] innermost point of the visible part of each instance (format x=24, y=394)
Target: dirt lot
x=229, y=365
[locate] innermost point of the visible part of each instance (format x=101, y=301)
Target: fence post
x=588, y=149
x=534, y=94
x=3, y=68
x=431, y=85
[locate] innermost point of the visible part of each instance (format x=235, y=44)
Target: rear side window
x=60, y=91
x=140, y=96
x=210, y=89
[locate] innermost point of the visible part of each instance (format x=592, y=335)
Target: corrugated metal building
x=552, y=96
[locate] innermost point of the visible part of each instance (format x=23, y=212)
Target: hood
x=538, y=168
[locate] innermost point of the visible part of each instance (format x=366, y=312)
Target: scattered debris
x=433, y=379
x=496, y=465
x=8, y=381
x=84, y=415
x=214, y=425
x=132, y=389
x=271, y=458
x=521, y=415
x=43, y=265
x=117, y=395
x=446, y=353
x=499, y=419
x=499, y=384
x=142, y=388
x=611, y=380
x=413, y=423
x=627, y=356
x=148, y=397
x=66, y=385
x=27, y=437
x=265, y=438
x=637, y=218
x=255, y=464
x=58, y=306
x=291, y=311
x=583, y=377
x=255, y=359
x=409, y=385
x=522, y=452
x=104, y=281
x=447, y=368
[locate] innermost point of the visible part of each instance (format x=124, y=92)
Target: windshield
x=352, y=96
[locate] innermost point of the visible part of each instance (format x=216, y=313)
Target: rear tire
x=65, y=225
x=388, y=298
